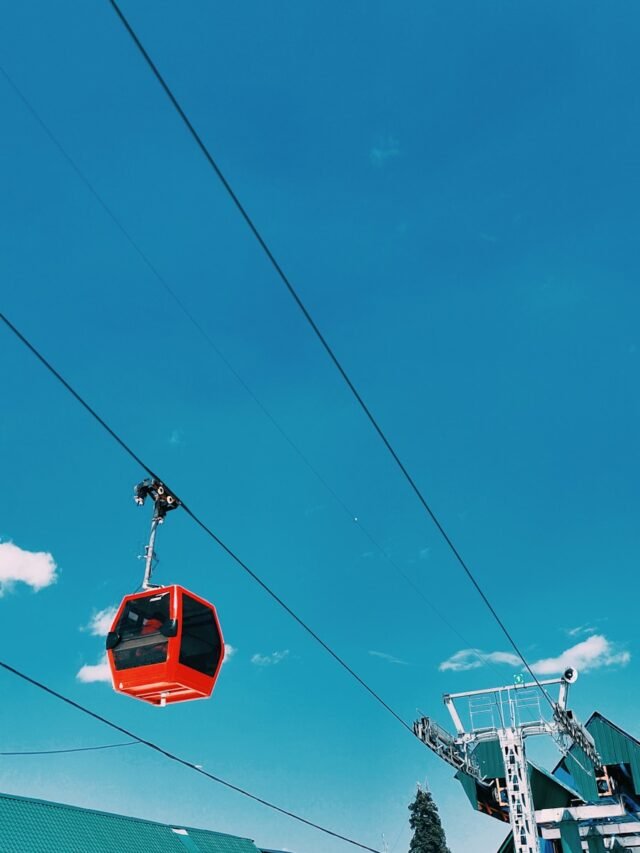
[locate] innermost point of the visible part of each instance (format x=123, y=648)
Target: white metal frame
x=507, y=707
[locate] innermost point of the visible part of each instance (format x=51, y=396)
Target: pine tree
x=428, y=834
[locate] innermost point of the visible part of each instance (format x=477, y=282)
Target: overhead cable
x=66, y=751
x=323, y=341
x=203, y=525
x=212, y=345
x=183, y=761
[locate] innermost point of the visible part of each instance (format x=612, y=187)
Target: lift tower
x=508, y=715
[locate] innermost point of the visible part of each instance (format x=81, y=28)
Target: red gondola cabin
x=165, y=645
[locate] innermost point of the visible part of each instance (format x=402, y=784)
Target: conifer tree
x=428, y=834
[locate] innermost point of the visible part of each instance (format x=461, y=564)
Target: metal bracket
x=164, y=501
x=451, y=749
x=163, y=498
x=569, y=725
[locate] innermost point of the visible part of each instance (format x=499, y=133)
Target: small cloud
x=37, y=569
x=581, y=630
x=91, y=673
x=388, y=658
x=593, y=653
x=101, y=622
x=176, y=437
x=467, y=659
x=423, y=553
x=229, y=652
x=270, y=660
x=385, y=149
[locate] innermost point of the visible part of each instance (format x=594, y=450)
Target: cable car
x=165, y=644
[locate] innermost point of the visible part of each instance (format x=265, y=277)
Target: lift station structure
x=589, y=802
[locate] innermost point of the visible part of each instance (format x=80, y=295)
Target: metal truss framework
x=508, y=715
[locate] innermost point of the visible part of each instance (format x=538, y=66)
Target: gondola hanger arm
x=164, y=501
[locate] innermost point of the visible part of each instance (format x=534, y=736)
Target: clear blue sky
x=454, y=190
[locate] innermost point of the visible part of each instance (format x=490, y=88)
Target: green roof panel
x=570, y=836
x=208, y=843
x=547, y=791
x=489, y=757
x=469, y=786
x=615, y=745
x=37, y=826
x=507, y=845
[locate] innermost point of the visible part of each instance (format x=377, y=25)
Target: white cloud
x=467, y=659
x=101, y=622
x=229, y=652
x=581, y=629
x=176, y=437
x=89, y=673
x=423, y=553
x=388, y=658
x=593, y=653
x=270, y=660
x=385, y=149
x=35, y=568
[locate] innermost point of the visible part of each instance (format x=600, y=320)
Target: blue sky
x=453, y=189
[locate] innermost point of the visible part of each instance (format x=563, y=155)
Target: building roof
x=544, y=785
x=614, y=745
x=38, y=826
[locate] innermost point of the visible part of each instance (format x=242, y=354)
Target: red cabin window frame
x=169, y=680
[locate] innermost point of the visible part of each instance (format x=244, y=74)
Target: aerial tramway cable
x=67, y=750
x=204, y=526
x=183, y=761
x=247, y=388
x=325, y=344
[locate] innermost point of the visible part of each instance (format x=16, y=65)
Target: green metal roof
x=615, y=747
x=488, y=756
x=469, y=785
x=37, y=826
x=578, y=766
x=507, y=845
x=547, y=791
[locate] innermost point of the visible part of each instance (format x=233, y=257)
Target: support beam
x=609, y=830
x=591, y=812
x=451, y=708
x=570, y=836
x=595, y=844
x=521, y=811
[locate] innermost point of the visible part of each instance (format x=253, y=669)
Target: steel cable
x=323, y=341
